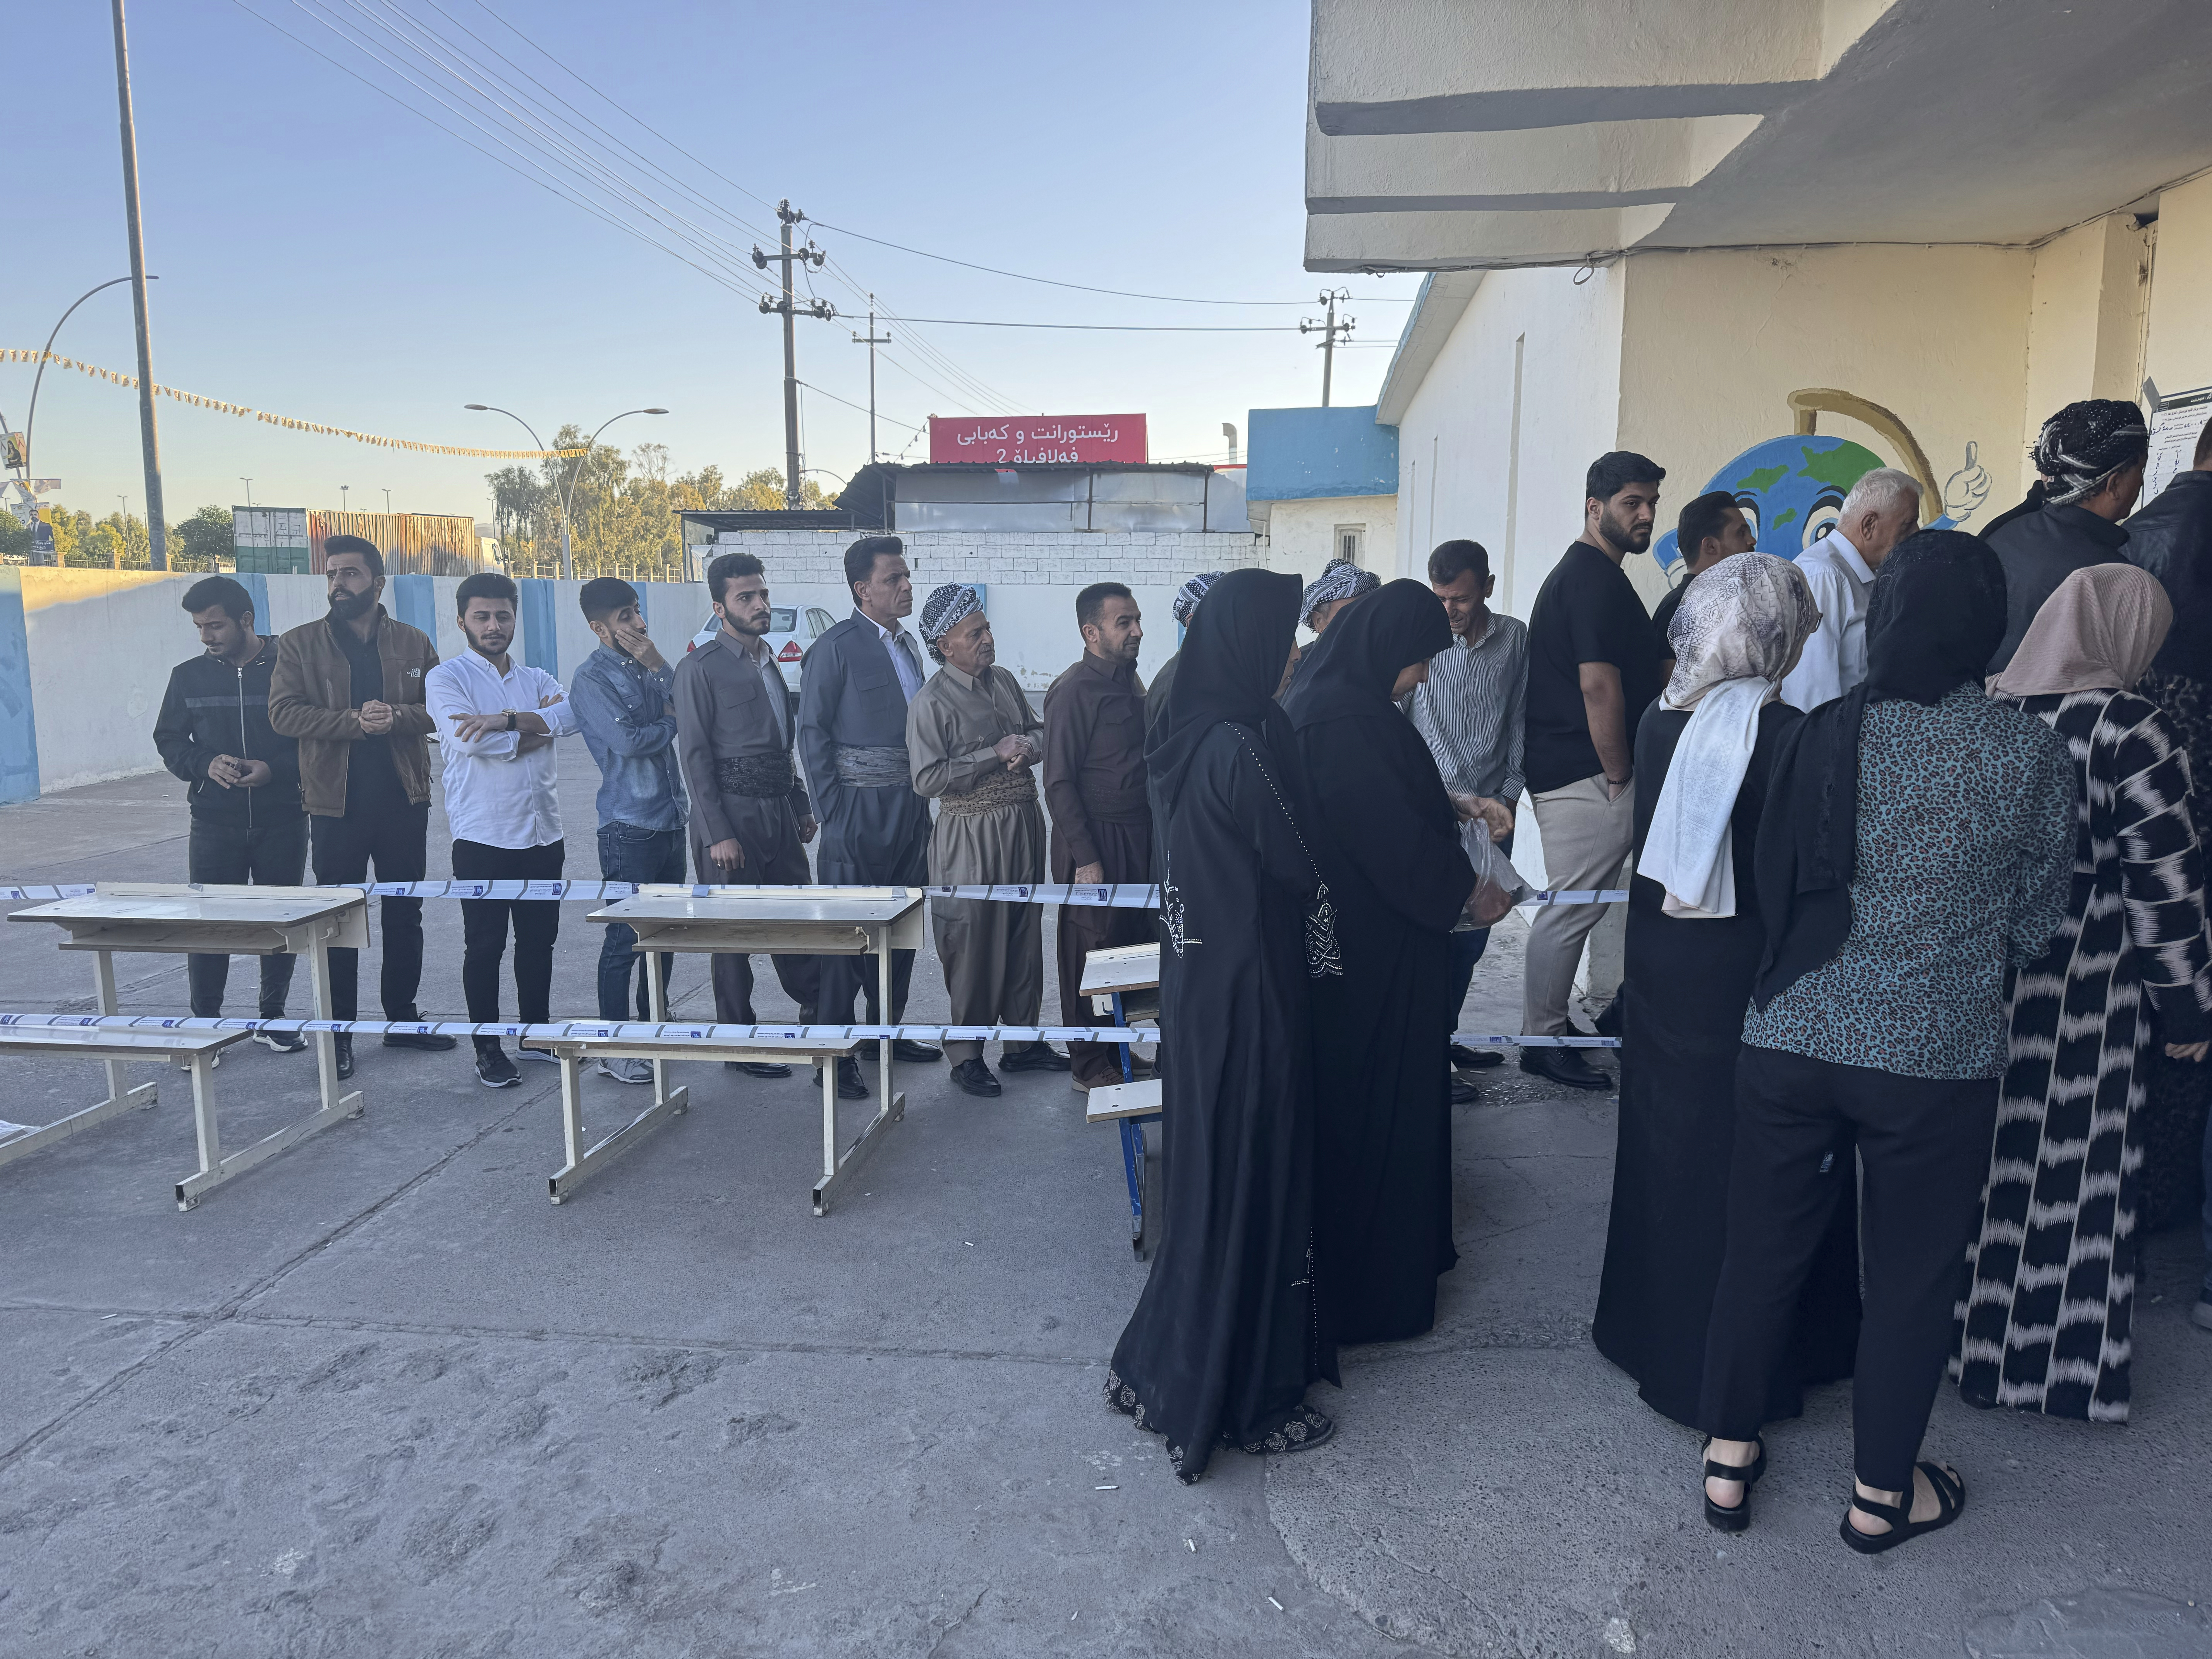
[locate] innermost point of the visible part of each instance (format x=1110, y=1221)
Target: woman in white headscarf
x=1703, y=755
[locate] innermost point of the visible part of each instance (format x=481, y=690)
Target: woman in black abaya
x=1400, y=879
x=1229, y=1329
x=1695, y=935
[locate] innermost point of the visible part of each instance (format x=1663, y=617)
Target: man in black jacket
x=247, y=823
x=2090, y=455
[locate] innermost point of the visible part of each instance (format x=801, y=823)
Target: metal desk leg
x=883, y=1008
x=656, y=984
x=326, y=1044
x=585, y=1160
x=215, y=1169
x=204, y=1123
x=828, y=1129
x=1133, y=1165
x=104, y=969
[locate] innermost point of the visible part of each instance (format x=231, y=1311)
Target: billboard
x=1037, y=439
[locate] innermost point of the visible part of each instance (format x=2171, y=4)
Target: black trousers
x=484, y=931
x=1924, y=1155
x=270, y=855
x=395, y=836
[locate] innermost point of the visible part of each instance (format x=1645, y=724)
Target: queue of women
x=1894, y=971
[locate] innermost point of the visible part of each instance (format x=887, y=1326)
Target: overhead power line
x=1118, y=328
x=1084, y=287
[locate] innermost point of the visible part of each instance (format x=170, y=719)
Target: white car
x=792, y=631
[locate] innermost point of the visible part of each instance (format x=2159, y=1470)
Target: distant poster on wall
x=2173, y=433
x=1037, y=439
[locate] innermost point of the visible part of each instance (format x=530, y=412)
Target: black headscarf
x=1350, y=671
x=1230, y=663
x=1936, y=613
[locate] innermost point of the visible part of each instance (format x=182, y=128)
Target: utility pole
x=872, y=340
x=789, y=308
x=157, y=535
x=1328, y=331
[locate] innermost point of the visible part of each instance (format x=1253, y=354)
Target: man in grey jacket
x=854, y=687
x=749, y=817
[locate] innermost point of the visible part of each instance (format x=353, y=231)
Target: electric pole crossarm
x=872, y=340
x=787, y=304
x=1328, y=330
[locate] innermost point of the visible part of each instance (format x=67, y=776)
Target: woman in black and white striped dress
x=2045, y=1327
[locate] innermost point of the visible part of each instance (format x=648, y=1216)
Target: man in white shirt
x=1882, y=508
x=496, y=720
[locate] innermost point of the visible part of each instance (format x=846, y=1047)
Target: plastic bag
x=1497, y=885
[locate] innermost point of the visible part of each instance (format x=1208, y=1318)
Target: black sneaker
x=345, y=1045
x=974, y=1077
x=849, y=1086
x=283, y=1042
x=763, y=1068
x=1464, y=1093
x=1033, y=1057
x=494, y=1070
x=435, y=1042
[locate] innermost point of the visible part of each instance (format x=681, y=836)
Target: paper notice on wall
x=2173, y=434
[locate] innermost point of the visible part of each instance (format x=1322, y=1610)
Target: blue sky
x=325, y=254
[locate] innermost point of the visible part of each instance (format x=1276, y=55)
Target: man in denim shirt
x=621, y=700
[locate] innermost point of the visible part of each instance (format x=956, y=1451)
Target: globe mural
x=1791, y=489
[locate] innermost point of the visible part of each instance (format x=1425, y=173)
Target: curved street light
x=569, y=494
x=31, y=419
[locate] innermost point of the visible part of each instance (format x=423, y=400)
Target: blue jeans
x=627, y=852
x=1467, y=950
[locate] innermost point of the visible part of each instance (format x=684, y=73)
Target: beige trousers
x=1585, y=839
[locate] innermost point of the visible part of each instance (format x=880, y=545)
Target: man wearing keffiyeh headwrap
x=974, y=740
x=1184, y=608
x=2090, y=458
x=1339, y=583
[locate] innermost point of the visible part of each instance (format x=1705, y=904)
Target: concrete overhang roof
x=1447, y=134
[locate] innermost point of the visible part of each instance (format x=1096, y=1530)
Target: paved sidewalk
x=379, y=1397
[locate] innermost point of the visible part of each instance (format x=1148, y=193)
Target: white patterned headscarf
x=1740, y=630
x=1188, y=596
x=945, y=607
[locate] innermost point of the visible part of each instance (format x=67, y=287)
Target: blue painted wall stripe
x=414, y=602
x=19, y=731
x=541, y=638
x=256, y=589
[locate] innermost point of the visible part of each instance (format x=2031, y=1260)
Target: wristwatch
x=510, y=720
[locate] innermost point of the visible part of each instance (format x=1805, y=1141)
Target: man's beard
x=347, y=606
x=737, y=626
x=1627, y=538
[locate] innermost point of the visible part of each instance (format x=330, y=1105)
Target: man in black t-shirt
x=1593, y=670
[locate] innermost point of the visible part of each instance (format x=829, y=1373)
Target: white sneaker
x=627, y=1070
x=214, y=1060
x=545, y=1055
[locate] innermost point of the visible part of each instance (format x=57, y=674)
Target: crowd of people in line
x=1917, y=981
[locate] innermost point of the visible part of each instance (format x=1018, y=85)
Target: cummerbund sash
x=884, y=768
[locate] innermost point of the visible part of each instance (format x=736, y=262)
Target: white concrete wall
x=1301, y=535
x=1457, y=439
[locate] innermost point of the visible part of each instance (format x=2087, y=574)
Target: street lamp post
x=248, y=482
x=342, y=506
x=569, y=494
x=31, y=419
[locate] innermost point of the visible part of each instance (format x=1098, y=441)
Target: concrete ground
x=380, y=1397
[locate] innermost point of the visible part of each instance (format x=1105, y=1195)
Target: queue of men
x=322, y=737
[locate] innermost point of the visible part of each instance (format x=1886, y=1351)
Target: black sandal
x=1736, y=1517
x=1950, y=1501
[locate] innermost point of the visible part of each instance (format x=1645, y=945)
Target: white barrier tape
x=682, y=1031
x=1128, y=895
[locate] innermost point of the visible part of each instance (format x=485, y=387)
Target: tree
x=203, y=541
x=14, y=537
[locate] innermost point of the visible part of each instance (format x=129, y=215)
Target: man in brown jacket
x=350, y=687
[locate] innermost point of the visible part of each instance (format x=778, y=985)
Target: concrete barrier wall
x=85, y=655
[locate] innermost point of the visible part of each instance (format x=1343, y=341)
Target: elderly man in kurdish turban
x=974, y=740
x=1184, y=607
